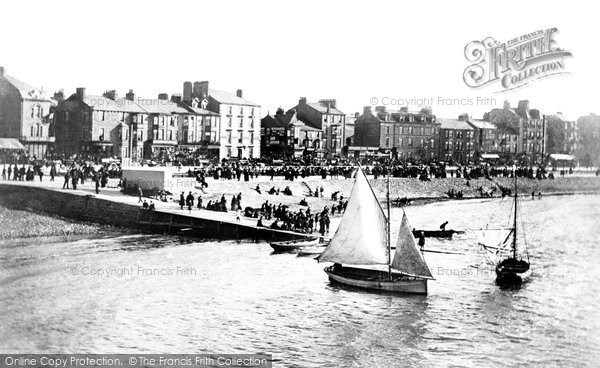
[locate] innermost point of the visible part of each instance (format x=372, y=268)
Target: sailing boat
x=510, y=269
x=363, y=238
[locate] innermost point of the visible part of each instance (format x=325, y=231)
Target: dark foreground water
x=154, y=294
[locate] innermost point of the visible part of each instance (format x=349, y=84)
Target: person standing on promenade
x=140, y=194
x=10, y=171
x=181, y=200
x=190, y=201
x=52, y=172
x=199, y=202
x=97, y=180
x=40, y=173
x=3, y=172
x=422, y=240
x=67, y=178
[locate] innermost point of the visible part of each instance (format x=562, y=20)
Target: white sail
x=408, y=258
x=496, y=243
x=361, y=238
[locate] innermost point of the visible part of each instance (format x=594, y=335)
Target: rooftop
x=27, y=91
x=454, y=124
x=229, y=98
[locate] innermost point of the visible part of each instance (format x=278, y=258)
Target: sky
x=277, y=52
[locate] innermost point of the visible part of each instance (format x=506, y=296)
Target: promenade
x=110, y=204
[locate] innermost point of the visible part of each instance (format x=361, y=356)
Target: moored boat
x=436, y=233
x=511, y=269
x=363, y=239
x=292, y=245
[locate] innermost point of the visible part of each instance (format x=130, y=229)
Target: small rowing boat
x=293, y=245
x=436, y=233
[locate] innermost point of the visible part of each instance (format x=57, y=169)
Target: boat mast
x=515, y=220
x=389, y=228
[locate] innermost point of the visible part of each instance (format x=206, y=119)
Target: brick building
x=98, y=126
x=325, y=117
x=239, y=130
x=457, y=140
x=562, y=134
x=408, y=135
x=26, y=115
x=527, y=124
x=284, y=135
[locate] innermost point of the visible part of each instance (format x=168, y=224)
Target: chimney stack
x=163, y=96
x=59, y=95
x=130, y=95
x=200, y=90
x=80, y=92
x=1, y=71
x=302, y=101
x=367, y=110
x=112, y=94
x=176, y=97
x=239, y=93
x=187, y=91
x=506, y=104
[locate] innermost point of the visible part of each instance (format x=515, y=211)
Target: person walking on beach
x=74, y=178
x=4, y=173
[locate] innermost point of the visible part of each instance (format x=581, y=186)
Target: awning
x=489, y=155
x=11, y=143
x=561, y=157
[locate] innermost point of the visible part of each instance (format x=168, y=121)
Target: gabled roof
x=27, y=91
x=309, y=124
x=269, y=122
x=454, y=124
x=106, y=104
x=229, y=98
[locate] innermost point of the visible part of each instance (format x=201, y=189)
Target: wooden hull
x=292, y=245
x=436, y=233
x=375, y=280
x=512, y=272
x=310, y=251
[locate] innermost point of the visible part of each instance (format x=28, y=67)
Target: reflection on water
x=158, y=294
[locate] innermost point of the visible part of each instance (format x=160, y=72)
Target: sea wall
x=88, y=208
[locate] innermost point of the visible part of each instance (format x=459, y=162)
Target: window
x=241, y=122
x=241, y=110
x=229, y=122
x=387, y=130
x=122, y=116
x=101, y=135
x=252, y=113
x=229, y=140
x=387, y=142
x=410, y=142
x=171, y=135
x=102, y=115
x=250, y=152
x=230, y=110
x=252, y=121
x=241, y=137
x=33, y=112
x=32, y=129
x=251, y=137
